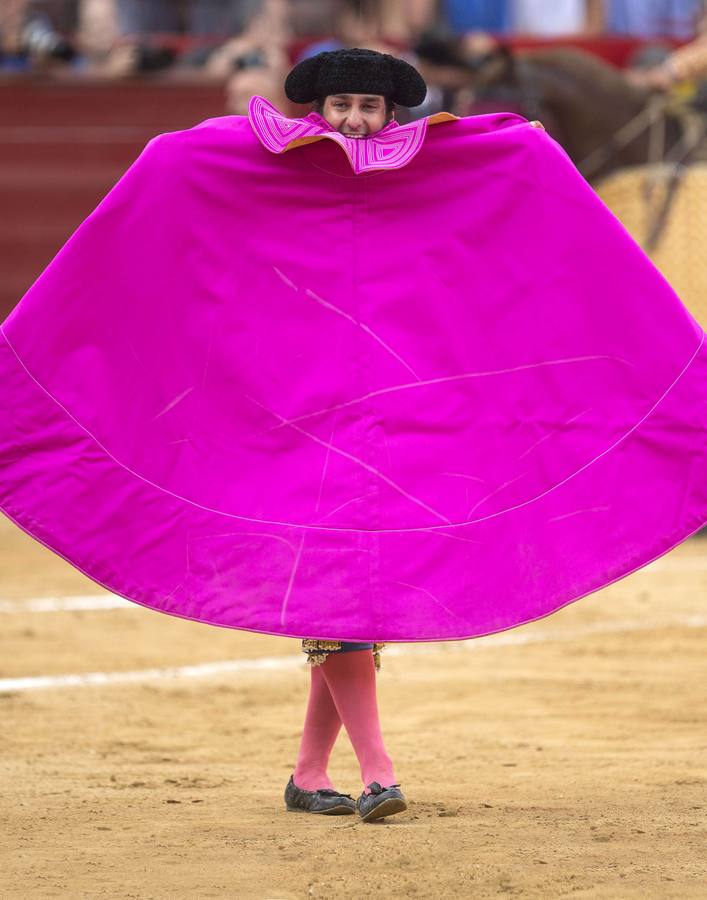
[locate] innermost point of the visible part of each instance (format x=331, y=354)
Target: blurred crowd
x=251, y=44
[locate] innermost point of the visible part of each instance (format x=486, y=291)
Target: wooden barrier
x=63, y=144
x=635, y=194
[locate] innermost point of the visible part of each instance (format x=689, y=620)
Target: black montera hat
x=355, y=71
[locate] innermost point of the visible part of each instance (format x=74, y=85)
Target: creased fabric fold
x=261, y=391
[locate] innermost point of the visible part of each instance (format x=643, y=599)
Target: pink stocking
x=351, y=677
x=321, y=727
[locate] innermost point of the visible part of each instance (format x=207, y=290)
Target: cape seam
x=355, y=530
x=436, y=639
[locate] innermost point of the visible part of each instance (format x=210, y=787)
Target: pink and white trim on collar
x=390, y=148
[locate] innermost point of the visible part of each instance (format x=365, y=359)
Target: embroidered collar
x=390, y=148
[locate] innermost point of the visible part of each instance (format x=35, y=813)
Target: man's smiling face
x=356, y=115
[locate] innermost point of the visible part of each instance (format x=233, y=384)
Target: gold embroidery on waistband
x=318, y=650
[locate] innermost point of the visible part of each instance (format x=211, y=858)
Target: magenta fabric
x=259, y=390
x=393, y=147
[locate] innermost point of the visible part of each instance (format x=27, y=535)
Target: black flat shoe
x=325, y=801
x=382, y=801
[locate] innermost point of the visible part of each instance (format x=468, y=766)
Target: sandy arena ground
x=562, y=759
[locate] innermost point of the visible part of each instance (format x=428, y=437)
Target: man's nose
x=355, y=119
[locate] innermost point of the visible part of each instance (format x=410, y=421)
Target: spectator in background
x=654, y=18
x=255, y=79
x=209, y=22
x=207, y=18
x=395, y=23
x=684, y=64
x=461, y=16
x=33, y=32
x=538, y=17
x=658, y=66
x=561, y=17
x=385, y=25
x=12, y=20
x=257, y=60
x=97, y=30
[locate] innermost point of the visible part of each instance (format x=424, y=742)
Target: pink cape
x=425, y=388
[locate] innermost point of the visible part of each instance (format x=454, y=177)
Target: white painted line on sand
x=64, y=604
x=113, y=601
x=281, y=663
x=39, y=682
